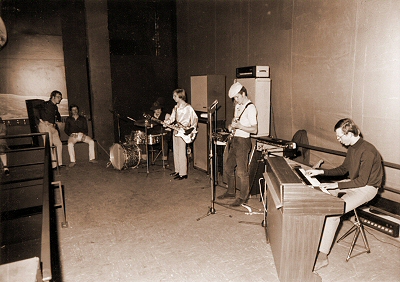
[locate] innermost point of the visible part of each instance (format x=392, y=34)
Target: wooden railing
x=27, y=175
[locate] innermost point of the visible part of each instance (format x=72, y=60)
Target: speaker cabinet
x=200, y=148
x=259, y=92
x=256, y=170
x=205, y=89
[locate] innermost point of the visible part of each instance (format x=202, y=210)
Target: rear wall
x=328, y=60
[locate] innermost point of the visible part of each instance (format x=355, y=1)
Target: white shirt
x=248, y=118
x=185, y=115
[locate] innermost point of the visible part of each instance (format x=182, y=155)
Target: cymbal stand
x=147, y=145
x=119, y=128
x=212, y=159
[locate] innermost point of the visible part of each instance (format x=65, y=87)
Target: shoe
x=238, y=202
x=180, y=177
x=174, y=174
x=93, y=161
x=226, y=196
x=6, y=171
x=72, y=164
x=320, y=264
x=63, y=165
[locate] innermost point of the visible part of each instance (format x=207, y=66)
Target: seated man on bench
x=77, y=129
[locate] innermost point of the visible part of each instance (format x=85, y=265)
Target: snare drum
x=123, y=156
x=154, y=139
x=139, y=137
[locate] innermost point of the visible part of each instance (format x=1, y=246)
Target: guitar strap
x=245, y=107
x=229, y=140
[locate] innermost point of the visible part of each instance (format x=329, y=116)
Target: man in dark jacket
x=48, y=115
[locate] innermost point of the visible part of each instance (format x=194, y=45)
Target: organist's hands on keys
x=331, y=188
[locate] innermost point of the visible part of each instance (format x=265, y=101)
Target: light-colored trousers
x=3, y=158
x=354, y=198
x=180, y=158
x=75, y=138
x=54, y=140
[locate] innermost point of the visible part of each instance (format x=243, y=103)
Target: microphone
x=214, y=104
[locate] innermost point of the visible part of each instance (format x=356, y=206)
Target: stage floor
x=132, y=226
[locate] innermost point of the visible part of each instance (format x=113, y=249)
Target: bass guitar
x=188, y=134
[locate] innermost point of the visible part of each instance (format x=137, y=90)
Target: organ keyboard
x=295, y=219
x=314, y=182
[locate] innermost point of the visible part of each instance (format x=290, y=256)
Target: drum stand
x=153, y=159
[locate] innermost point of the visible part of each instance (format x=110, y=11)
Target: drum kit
x=129, y=154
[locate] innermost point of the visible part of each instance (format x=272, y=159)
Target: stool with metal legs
x=358, y=227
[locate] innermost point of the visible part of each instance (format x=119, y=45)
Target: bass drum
x=123, y=156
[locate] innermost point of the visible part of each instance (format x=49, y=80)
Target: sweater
x=364, y=165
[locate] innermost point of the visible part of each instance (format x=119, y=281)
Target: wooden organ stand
x=295, y=219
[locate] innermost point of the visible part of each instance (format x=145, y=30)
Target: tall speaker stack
x=258, y=84
x=205, y=89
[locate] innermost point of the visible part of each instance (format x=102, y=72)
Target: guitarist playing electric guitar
x=236, y=163
x=188, y=134
x=184, y=115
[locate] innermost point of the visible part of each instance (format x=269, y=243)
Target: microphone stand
x=212, y=159
x=119, y=129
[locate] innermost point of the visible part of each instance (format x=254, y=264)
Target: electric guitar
x=188, y=134
x=231, y=132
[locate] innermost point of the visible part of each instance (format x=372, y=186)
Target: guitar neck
x=164, y=123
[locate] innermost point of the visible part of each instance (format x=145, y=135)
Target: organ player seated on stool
x=364, y=165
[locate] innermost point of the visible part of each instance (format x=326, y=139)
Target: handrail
x=46, y=229
x=329, y=151
x=340, y=153
x=321, y=149
x=21, y=135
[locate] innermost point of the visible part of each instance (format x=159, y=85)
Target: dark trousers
x=237, y=161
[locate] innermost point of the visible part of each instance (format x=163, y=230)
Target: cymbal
x=144, y=122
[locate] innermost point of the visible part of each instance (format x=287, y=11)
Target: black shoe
x=174, y=174
x=238, y=202
x=6, y=171
x=226, y=196
x=63, y=165
x=180, y=177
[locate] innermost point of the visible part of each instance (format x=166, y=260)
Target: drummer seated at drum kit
x=158, y=129
x=157, y=136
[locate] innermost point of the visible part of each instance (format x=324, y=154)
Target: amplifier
x=381, y=222
x=254, y=71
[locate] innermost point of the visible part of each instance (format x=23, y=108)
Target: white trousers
x=54, y=140
x=180, y=158
x=75, y=138
x=354, y=198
